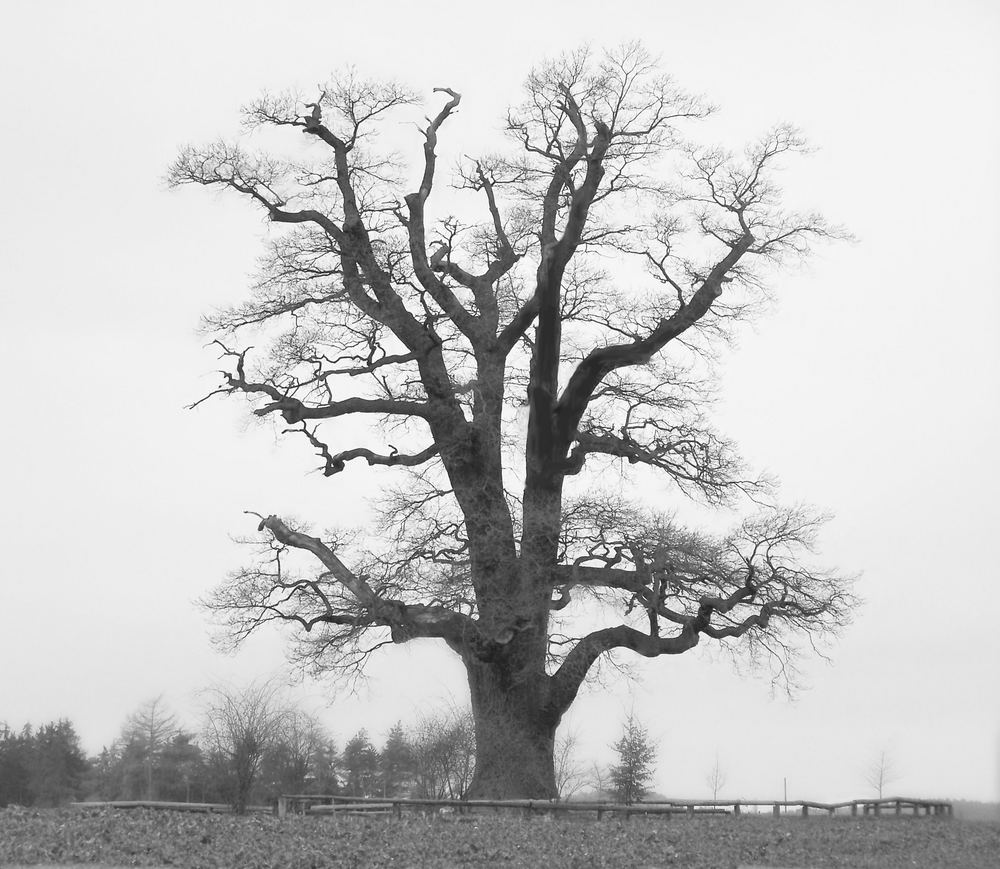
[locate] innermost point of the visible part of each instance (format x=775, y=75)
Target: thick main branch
x=405, y=621
x=603, y=360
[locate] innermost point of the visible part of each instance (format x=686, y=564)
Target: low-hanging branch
x=405, y=621
x=566, y=680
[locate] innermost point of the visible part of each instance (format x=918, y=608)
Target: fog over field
x=870, y=386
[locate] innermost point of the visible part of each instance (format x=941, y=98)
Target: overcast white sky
x=871, y=389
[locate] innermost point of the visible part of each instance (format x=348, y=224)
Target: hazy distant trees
x=102, y=781
x=359, y=763
x=15, y=765
x=631, y=775
x=182, y=775
x=444, y=755
x=57, y=763
x=41, y=767
x=240, y=727
x=148, y=731
x=153, y=758
x=434, y=759
x=301, y=759
x=254, y=746
x=396, y=766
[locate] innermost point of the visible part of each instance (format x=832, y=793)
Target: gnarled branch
x=603, y=360
x=405, y=621
x=334, y=463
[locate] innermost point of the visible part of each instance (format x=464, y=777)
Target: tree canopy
x=554, y=318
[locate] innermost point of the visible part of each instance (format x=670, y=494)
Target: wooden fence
x=888, y=805
x=318, y=804
x=210, y=808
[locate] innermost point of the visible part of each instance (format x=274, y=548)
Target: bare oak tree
x=566, y=326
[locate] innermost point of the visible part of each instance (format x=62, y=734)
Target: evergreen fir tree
x=630, y=777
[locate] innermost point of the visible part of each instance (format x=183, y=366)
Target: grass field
x=160, y=838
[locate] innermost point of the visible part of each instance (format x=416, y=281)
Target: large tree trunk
x=515, y=720
x=515, y=736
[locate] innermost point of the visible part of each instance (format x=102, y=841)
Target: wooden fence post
x=282, y=806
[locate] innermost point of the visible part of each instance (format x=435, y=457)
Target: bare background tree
x=444, y=755
x=564, y=320
x=599, y=781
x=716, y=778
x=571, y=774
x=241, y=725
x=881, y=773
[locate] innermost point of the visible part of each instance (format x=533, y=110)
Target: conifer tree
x=630, y=777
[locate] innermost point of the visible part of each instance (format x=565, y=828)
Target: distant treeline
x=251, y=749
x=973, y=810
x=41, y=767
x=253, y=746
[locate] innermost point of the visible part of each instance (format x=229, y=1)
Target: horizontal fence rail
x=334, y=804
x=220, y=808
x=893, y=805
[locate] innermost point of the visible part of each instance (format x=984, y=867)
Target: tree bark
x=515, y=733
